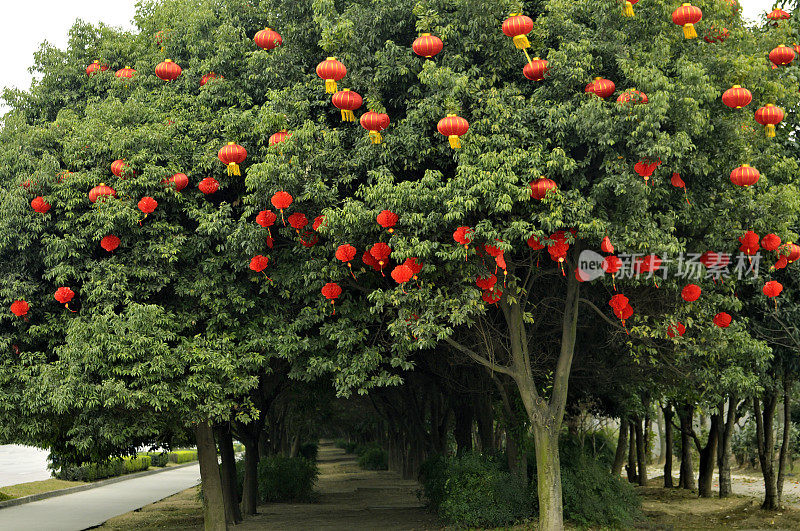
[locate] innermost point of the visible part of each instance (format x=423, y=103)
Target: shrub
x=96, y=471
x=374, y=458
x=286, y=479
x=159, y=459
x=183, y=456
x=473, y=490
x=349, y=446
x=309, y=451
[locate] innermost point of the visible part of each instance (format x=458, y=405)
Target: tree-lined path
x=92, y=507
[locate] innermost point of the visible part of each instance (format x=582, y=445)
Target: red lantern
x=147, y=205
x=535, y=69
x=492, y=297
x=677, y=182
x=298, y=221
x=606, y=246
x=632, y=96
x=208, y=77
x=676, y=329
x=745, y=175
x=771, y=242
x=792, y=252
x=318, y=222
x=600, y=87
x=687, y=16
x=95, y=67
x=331, y=291
x=782, y=55
x=387, y=219
x=19, y=308
x=541, y=186
x=126, y=73
x=618, y=301
x=691, y=292
x=611, y=264
x=427, y=45
x=453, y=127
x=375, y=123
x=110, y=242
x=415, y=266
x=463, y=236
x=736, y=97
x=268, y=39
x=345, y=253
x=168, y=71
x=723, y=320
x=279, y=137
x=381, y=252
x=776, y=15
x=331, y=71
x=627, y=10
x=772, y=288
x=558, y=249
x=402, y=274
x=749, y=243
x=39, y=205
x=534, y=243
x=266, y=218
x=648, y=264
x=121, y=169
x=209, y=185
x=781, y=263
x=232, y=155
x=347, y=101
x=517, y=26
x=281, y=200
x=180, y=180
x=259, y=263
x=101, y=190
x=64, y=295
x=769, y=116
x=714, y=260
x=369, y=260
x=645, y=168
x=486, y=284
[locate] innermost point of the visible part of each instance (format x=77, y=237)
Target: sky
x=24, y=25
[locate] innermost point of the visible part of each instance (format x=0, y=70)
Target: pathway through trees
x=350, y=498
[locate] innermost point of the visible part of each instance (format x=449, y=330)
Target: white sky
x=26, y=24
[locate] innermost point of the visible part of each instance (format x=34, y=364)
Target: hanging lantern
x=125, y=73
x=627, y=9
x=463, y=236
x=677, y=182
x=645, y=168
x=534, y=243
x=736, y=97
x=781, y=263
x=776, y=15
x=492, y=297
x=606, y=246
x=453, y=127
x=266, y=218
x=298, y=221
x=208, y=77
x=792, y=252
x=750, y=243
x=648, y=265
x=281, y=200
x=745, y=175
x=147, y=205
x=209, y=185
x=331, y=291
x=101, y=190
x=714, y=260
x=268, y=39
x=517, y=26
x=39, y=205
x=19, y=308
x=723, y=320
x=486, y=284
x=64, y=295
x=381, y=252
x=541, y=186
x=375, y=123
x=331, y=71
x=782, y=55
x=345, y=253
x=232, y=155
x=415, y=266
x=676, y=330
x=309, y=238
x=535, y=69
x=259, y=263
x=611, y=265
x=632, y=96
x=427, y=45
x=600, y=87
x=771, y=242
x=687, y=16
x=180, y=180
x=691, y=292
x=402, y=274
x=279, y=137
x=318, y=222
x=369, y=260
x=558, y=249
x=769, y=116
x=772, y=289
x=618, y=301
x=95, y=67
x=121, y=169
x=168, y=71
x=347, y=101
x=387, y=219
x=110, y=242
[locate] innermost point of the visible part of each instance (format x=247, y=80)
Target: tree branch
x=480, y=359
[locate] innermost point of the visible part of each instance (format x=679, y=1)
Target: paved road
x=89, y=508
x=21, y=464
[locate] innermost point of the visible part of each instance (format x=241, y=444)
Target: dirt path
x=350, y=499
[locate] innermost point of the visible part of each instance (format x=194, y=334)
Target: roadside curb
x=71, y=490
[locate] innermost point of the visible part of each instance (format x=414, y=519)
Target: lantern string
x=265, y=276
x=350, y=267
x=75, y=311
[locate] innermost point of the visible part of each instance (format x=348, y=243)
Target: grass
x=35, y=487
x=180, y=512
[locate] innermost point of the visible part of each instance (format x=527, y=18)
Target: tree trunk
x=228, y=471
x=463, y=427
x=622, y=443
x=250, y=487
x=214, y=506
x=686, y=480
x=485, y=420
x=548, y=478
x=641, y=452
x=631, y=467
x=667, y=442
x=295, y=450
x=766, y=446
x=724, y=453
x=662, y=455
x=787, y=424
x=708, y=458
x=648, y=426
